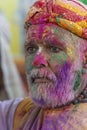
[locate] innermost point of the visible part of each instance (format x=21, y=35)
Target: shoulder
x=7, y=109
x=22, y=112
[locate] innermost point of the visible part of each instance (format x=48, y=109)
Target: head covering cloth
x=69, y=14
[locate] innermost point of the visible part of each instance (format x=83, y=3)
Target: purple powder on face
x=63, y=73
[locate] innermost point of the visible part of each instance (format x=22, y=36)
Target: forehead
x=50, y=32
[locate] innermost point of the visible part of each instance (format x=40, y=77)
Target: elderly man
x=56, y=66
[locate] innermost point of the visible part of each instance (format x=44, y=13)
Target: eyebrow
x=31, y=42
x=56, y=43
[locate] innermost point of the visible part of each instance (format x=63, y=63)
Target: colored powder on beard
x=39, y=101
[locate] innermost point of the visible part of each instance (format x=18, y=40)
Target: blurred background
x=13, y=13
x=13, y=81
x=84, y=1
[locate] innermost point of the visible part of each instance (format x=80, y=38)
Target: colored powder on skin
x=62, y=57
x=39, y=59
x=69, y=48
x=56, y=31
x=71, y=51
x=40, y=33
x=65, y=70
x=63, y=74
x=78, y=81
x=28, y=62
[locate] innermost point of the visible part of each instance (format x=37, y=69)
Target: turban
x=68, y=14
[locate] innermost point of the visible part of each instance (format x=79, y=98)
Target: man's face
x=54, y=66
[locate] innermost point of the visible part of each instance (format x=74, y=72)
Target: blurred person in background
x=10, y=82
x=22, y=9
x=56, y=67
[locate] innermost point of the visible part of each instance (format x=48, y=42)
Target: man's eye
x=31, y=50
x=55, y=49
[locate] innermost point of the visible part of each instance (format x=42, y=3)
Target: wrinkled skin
x=54, y=62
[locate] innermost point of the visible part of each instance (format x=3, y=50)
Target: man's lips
x=42, y=76
x=41, y=80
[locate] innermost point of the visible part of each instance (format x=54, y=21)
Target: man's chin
x=49, y=95
x=46, y=101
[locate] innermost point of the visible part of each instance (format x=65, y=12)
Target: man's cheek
x=78, y=80
x=28, y=63
x=72, y=52
x=59, y=58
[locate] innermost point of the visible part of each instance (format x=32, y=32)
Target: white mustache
x=43, y=73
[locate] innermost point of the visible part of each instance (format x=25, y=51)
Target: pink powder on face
x=39, y=60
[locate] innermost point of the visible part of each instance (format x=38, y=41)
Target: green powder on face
x=61, y=58
x=78, y=81
x=28, y=61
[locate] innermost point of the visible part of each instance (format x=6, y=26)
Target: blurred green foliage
x=84, y=1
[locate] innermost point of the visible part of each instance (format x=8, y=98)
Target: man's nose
x=40, y=60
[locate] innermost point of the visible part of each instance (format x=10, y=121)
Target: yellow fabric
x=68, y=5
x=71, y=26
x=21, y=113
